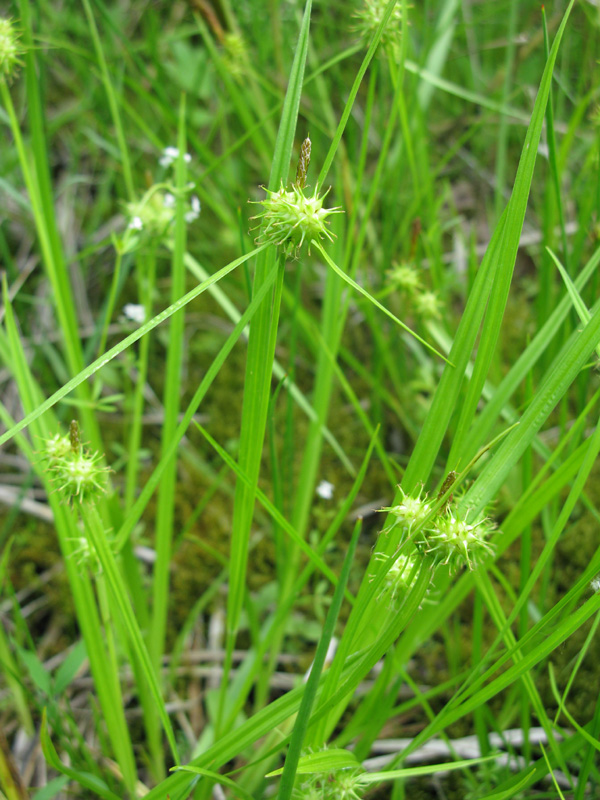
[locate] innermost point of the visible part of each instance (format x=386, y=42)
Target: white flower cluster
x=155, y=212
x=170, y=155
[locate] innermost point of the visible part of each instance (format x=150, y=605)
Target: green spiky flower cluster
x=291, y=217
x=369, y=18
x=77, y=473
x=400, y=577
x=404, y=277
x=11, y=49
x=236, y=54
x=409, y=513
x=448, y=538
x=339, y=785
x=56, y=448
x=457, y=542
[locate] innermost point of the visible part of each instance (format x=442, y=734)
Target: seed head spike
x=303, y=162
x=448, y=482
x=74, y=436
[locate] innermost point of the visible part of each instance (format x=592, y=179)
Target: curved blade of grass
x=302, y=720
x=235, y=788
x=563, y=708
x=578, y=304
x=354, y=91
x=375, y=302
x=140, y=504
x=272, y=509
x=259, y=367
x=430, y=769
x=524, y=364
x=124, y=344
x=163, y=530
x=91, y=782
x=96, y=532
x=561, y=375
x=464, y=94
x=278, y=371
x=322, y=761
x=500, y=256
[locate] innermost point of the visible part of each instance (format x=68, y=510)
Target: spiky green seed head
x=76, y=473
x=11, y=49
x=400, y=578
x=347, y=785
x=84, y=555
x=344, y=784
x=409, y=512
x=81, y=476
x=291, y=217
x=405, y=278
x=369, y=18
x=236, y=54
x=457, y=542
x=428, y=305
x=55, y=448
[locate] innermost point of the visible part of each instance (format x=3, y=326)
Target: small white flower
x=194, y=212
x=325, y=490
x=169, y=200
x=595, y=584
x=135, y=224
x=171, y=154
x=135, y=312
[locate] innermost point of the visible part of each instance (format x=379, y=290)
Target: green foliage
x=385, y=510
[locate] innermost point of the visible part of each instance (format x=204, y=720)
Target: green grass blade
x=301, y=724
x=500, y=255
x=272, y=509
x=562, y=373
x=373, y=45
x=171, y=401
x=95, y=531
x=124, y=344
x=525, y=363
x=258, y=366
x=375, y=302
x=235, y=788
x=90, y=782
x=112, y=102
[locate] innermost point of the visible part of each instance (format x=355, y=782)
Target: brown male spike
x=75, y=436
x=303, y=162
